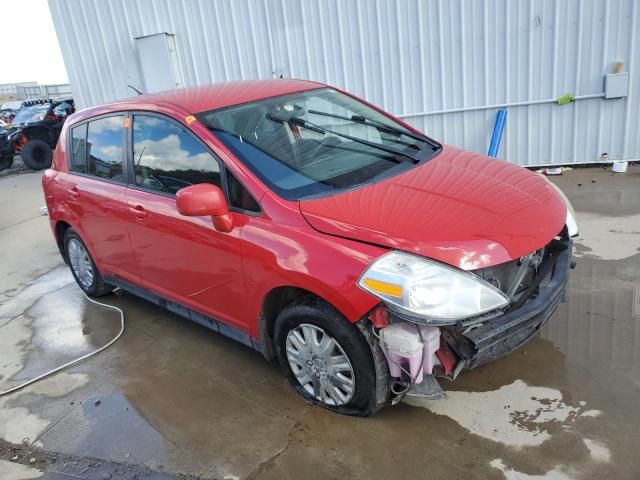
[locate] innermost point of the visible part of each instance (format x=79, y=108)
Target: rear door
x=95, y=190
x=184, y=259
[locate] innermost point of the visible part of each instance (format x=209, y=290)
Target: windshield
x=34, y=113
x=317, y=142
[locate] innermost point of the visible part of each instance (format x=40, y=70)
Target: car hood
x=461, y=208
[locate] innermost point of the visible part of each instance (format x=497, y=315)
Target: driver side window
x=167, y=158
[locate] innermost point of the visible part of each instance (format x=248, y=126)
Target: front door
x=184, y=259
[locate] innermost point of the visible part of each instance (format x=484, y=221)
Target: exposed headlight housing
x=572, y=225
x=436, y=293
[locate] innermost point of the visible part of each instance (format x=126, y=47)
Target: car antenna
x=135, y=89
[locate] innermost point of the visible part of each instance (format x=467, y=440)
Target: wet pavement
x=171, y=398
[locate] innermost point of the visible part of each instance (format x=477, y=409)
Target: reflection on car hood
x=461, y=208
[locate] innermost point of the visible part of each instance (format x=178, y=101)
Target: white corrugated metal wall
x=414, y=58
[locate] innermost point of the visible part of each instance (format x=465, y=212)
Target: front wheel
x=326, y=358
x=37, y=154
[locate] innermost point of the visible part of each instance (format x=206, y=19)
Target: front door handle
x=138, y=211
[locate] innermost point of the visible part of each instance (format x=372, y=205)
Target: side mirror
x=205, y=199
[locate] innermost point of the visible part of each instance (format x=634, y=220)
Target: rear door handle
x=74, y=193
x=138, y=210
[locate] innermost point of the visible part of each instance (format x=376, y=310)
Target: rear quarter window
x=78, y=156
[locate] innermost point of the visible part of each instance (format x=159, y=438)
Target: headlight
x=572, y=225
x=437, y=293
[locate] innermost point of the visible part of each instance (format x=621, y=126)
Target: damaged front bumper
x=415, y=351
x=481, y=342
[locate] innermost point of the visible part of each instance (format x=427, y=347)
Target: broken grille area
x=513, y=278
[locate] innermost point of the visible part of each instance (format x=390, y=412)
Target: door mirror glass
x=205, y=199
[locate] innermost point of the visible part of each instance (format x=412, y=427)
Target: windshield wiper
x=317, y=128
x=377, y=124
x=296, y=121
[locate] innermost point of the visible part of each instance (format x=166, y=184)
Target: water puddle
x=518, y=415
x=41, y=327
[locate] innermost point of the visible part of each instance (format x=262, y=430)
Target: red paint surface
x=379, y=316
x=446, y=356
x=201, y=200
x=460, y=208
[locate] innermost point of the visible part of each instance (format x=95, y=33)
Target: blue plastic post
x=498, y=128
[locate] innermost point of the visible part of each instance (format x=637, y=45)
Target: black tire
x=313, y=311
x=97, y=287
x=6, y=161
x=37, y=154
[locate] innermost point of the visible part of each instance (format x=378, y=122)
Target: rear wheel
x=326, y=358
x=37, y=154
x=6, y=161
x=83, y=267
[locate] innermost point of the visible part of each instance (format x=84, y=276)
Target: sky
x=32, y=41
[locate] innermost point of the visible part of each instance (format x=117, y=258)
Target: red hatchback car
x=313, y=227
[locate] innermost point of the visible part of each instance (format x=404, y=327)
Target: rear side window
x=167, y=158
x=78, y=158
x=105, y=148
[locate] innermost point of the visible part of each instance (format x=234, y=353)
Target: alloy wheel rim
x=80, y=263
x=320, y=364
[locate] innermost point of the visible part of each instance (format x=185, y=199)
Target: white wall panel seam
x=631, y=64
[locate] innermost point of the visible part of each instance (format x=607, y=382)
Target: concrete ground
x=17, y=167
x=171, y=399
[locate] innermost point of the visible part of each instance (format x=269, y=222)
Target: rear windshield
x=317, y=142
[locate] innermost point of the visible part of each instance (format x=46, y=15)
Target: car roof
x=220, y=95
